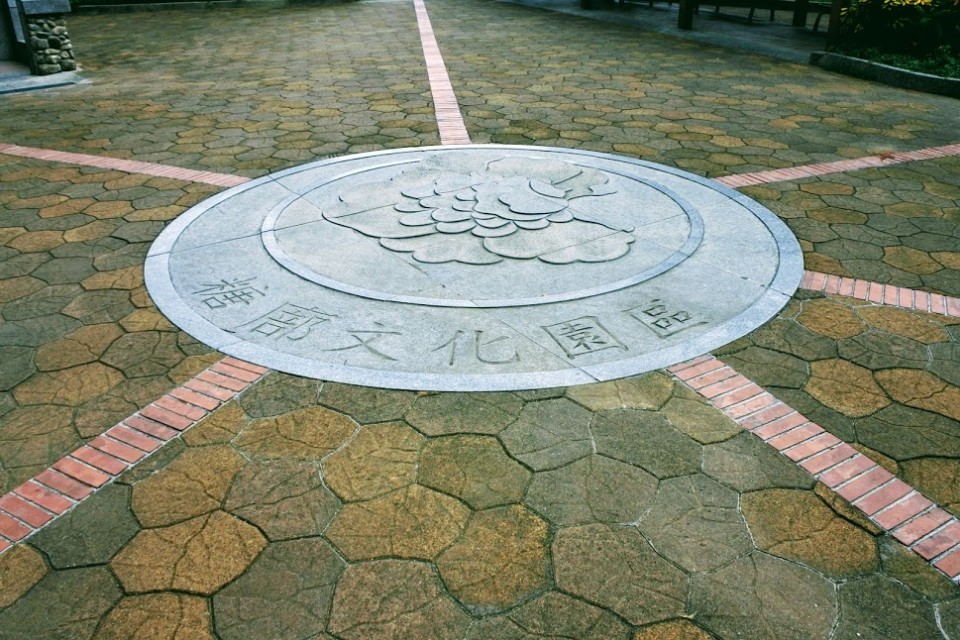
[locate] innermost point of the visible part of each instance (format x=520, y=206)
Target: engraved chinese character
x=664, y=320
x=228, y=292
x=484, y=350
x=289, y=321
x=365, y=339
x=583, y=335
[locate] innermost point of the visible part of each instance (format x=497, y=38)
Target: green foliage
x=913, y=27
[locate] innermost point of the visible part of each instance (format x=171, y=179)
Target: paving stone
x=286, y=593
x=449, y=413
x=878, y=607
x=144, y=353
x=20, y=569
x=592, y=489
x=875, y=350
x=757, y=597
x=796, y=525
x=82, y=346
x=769, y=368
x=903, y=432
x=552, y=615
x=18, y=287
x=649, y=391
x=366, y=404
x=64, y=605
x=831, y=319
x=70, y=387
x=791, y=338
x=614, y=567
x=178, y=557
x=937, y=478
x=91, y=533
x=16, y=365
x=903, y=565
x=193, y=484
x=285, y=499
x=279, y=393
x=922, y=390
x=304, y=434
x=672, y=630
x=688, y=413
x=413, y=522
x=549, y=434
x=380, y=459
x=475, y=469
x=164, y=616
x=746, y=463
x=99, y=306
x=645, y=439
x=396, y=600
x=846, y=387
x=46, y=301
x=694, y=521
x=221, y=426
x=29, y=435
x=950, y=616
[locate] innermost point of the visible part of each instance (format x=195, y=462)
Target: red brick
x=849, y=469
x=688, y=373
x=25, y=511
x=953, y=307
x=812, y=446
x=194, y=398
x=950, y=563
x=938, y=304
x=906, y=298
x=876, y=292
x=827, y=459
x=100, y=460
x=891, y=295
x=221, y=381
x=235, y=372
x=932, y=546
x=737, y=396
x=726, y=385
x=778, y=426
x=81, y=472
x=817, y=281
x=686, y=364
x=899, y=513
x=865, y=483
x=64, y=484
x=832, y=284
x=795, y=436
x=180, y=407
x=243, y=364
x=4, y=545
x=39, y=494
x=884, y=497
x=921, y=526
x=846, y=287
x=169, y=418
x=753, y=405
x=716, y=375
x=860, y=288
x=208, y=389
x=151, y=427
x=134, y=438
x=13, y=530
x=761, y=418
x=117, y=449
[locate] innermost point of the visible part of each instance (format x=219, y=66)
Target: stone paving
x=311, y=509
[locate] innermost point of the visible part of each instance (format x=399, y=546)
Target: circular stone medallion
x=473, y=268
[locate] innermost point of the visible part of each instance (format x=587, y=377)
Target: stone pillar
x=50, y=44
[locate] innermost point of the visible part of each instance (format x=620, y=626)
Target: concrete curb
x=886, y=74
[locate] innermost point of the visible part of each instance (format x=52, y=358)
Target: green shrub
x=912, y=27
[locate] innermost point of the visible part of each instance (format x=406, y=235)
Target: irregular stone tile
x=70, y=387
x=159, y=460
x=922, y=390
x=366, y=404
x=394, y=600
x=179, y=557
x=757, y=596
x=220, y=426
x=95, y=307
x=413, y=522
x=191, y=366
x=64, y=605
x=91, y=533
x=792, y=338
x=694, y=521
x=846, y=510
x=904, y=323
x=541, y=394
x=30, y=434
x=769, y=368
x=192, y=485
x=160, y=616
x=449, y=413
x=475, y=469
x=950, y=617
x=945, y=362
x=500, y=560
x=902, y=432
x=279, y=393
x=903, y=565
x=614, y=567
x=673, y=630
x=877, y=350
x=147, y=353
x=649, y=391
x=145, y=320
x=592, y=489
x=20, y=568
x=304, y=434
x=125, y=279
x=688, y=413
x=380, y=459
x=552, y=615
x=796, y=525
x=18, y=287
x=645, y=439
x=878, y=607
x=36, y=241
x=84, y=345
x=846, y=387
x=549, y=434
x=284, y=498
x=746, y=463
x=937, y=478
x=831, y=319
x=286, y=593
x=16, y=365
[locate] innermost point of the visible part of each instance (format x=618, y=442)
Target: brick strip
x=445, y=105
x=839, y=166
x=892, y=504
x=75, y=477
x=880, y=293
x=130, y=166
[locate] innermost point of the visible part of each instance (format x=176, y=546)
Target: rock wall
x=50, y=44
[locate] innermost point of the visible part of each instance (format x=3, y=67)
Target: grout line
x=130, y=166
x=892, y=504
x=69, y=481
x=880, y=293
x=449, y=119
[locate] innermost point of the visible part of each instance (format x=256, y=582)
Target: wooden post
x=685, y=21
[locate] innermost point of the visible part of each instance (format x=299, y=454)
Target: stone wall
x=50, y=44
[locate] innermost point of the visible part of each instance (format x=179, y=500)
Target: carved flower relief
x=508, y=208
